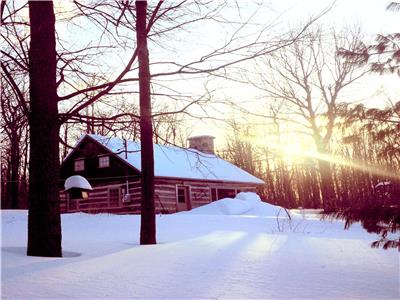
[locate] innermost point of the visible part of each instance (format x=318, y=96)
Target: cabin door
x=183, y=198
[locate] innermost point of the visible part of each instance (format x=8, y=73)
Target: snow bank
x=245, y=203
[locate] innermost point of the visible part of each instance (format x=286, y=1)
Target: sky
x=371, y=16
x=198, y=39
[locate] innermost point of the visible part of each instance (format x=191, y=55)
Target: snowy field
x=228, y=249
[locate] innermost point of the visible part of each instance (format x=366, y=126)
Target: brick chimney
x=203, y=143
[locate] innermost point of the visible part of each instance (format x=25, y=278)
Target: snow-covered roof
x=171, y=161
x=77, y=181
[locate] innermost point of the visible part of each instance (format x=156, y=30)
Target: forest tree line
x=365, y=162
x=366, y=141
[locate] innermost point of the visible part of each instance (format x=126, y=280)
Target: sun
x=294, y=150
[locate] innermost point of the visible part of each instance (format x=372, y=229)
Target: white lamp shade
x=77, y=181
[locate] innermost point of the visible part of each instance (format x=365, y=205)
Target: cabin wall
x=199, y=192
x=200, y=195
x=165, y=196
x=110, y=197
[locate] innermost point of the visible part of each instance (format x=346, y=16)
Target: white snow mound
x=77, y=181
x=245, y=203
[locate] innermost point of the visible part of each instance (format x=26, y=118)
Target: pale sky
x=370, y=15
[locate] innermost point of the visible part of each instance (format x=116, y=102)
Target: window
x=104, y=161
x=217, y=194
x=226, y=193
x=79, y=164
x=113, y=197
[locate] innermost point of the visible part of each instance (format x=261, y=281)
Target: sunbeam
x=339, y=160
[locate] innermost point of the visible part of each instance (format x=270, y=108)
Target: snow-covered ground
x=223, y=250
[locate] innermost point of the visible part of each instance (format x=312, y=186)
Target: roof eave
x=210, y=180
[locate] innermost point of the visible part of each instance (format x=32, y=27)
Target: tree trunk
x=7, y=202
x=15, y=164
x=316, y=198
x=148, y=219
x=287, y=185
x=327, y=188
x=324, y=165
x=44, y=225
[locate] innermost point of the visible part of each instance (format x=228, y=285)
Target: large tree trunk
x=44, y=225
x=148, y=219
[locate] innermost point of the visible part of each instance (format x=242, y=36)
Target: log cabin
x=185, y=178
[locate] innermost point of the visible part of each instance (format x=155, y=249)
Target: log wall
x=109, y=198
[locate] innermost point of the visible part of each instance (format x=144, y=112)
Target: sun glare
x=295, y=154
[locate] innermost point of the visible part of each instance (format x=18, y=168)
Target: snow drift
x=245, y=203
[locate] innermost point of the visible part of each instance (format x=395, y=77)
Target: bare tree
x=308, y=77
x=13, y=102
x=14, y=125
x=239, y=148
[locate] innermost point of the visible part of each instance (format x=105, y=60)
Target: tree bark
x=15, y=164
x=148, y=219
x=44, y=224
x=327, y=187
